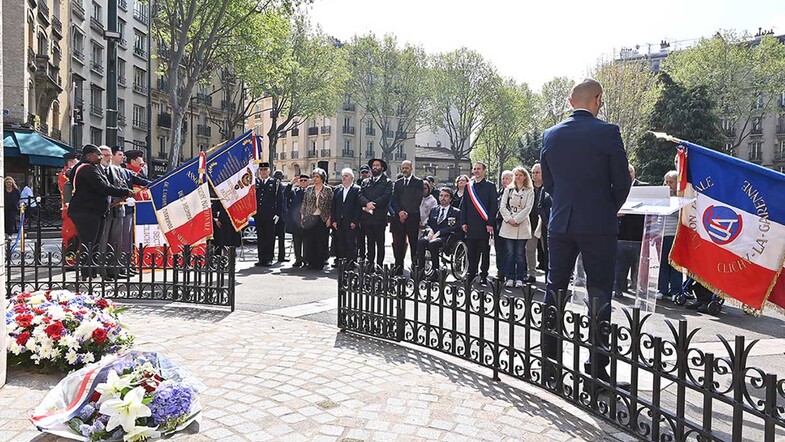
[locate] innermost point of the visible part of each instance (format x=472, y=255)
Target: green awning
x=40, y=150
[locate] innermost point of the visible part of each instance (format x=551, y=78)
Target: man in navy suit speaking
x=584, y=169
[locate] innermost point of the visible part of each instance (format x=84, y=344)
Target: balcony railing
x=140, y=15
x=325, y=153
x=121, y=80
x=228, y=105
x=370, y=153
x=203, y=130
x=120, y=120
x=165, y=120
x=140, y=124
x=140, y=52
x=370, y=131
x=389, y=134
x=348, y=153
x=295, y=154
x=312, y=153
x=205, y=99
x=400, y=156
x=140, y=89
x=122, y=4
x=57, y=26
x=779, y=156
x=79, y=55
x=402, y=135
x=283, y=155
x=348, y=130
x=349, y=107
x=756, y=131
x=163, y=85
x=97, y=67
x=313, y=131
x=295, y=132
x=98, y=111
x=326, y=129
x=43, y=9
x=123, y=42
x=77, y=8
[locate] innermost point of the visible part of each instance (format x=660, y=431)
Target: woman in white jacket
x=517, y=201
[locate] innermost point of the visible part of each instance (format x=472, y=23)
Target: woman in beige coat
x=516, y=204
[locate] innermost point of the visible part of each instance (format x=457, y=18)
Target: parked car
x=249, y=231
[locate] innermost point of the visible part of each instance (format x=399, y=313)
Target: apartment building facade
x=346, y=139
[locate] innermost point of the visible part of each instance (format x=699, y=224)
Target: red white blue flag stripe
x=732, y=238
x=232, y=171
x=478, y=205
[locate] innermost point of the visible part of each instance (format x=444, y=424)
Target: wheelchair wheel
x=427, y=268
x=714, y=308
x=460, y=261
x=680, y=299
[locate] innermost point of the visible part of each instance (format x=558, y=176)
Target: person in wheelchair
x=443, y=224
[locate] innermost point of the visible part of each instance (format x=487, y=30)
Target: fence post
x=497, y=287
x=400, y=315
x=231, y=294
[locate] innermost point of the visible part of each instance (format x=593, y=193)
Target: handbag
x=310, y=221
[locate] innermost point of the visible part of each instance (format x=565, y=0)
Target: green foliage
x=744, y=75
x=687, y=113
x=392, y=85
x=552, y=104
x=465, y=89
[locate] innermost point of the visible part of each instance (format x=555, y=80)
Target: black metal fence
x=43, y=213
x=676, y=391
x=198, y=276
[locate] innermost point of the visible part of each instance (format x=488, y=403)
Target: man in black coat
x=346, y=216
x=293, y=195
x=280, y=226
x=405, y=224
x=375, y=196
x=90, y=202
x=478, y=215
x=443, y=222
x=269, y=202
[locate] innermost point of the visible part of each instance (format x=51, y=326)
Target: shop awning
x=38, y=149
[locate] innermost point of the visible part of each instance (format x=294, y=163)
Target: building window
x=139, y=117
x=121, y=29
x=140, y=79
x=77, y=44
x=347, y=144
x=120, y=111
x=757, y=125
x=140, y=44
x=97, y=13
x=758, y=103
x=96, y=136
x=96, y=101
x=755, y=151
x=96, y=58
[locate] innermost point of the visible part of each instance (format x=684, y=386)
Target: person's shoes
x=541, y=267
x=509, y=284
x=263, y=264
x=618, y=294
x=399, y=271
x=659, y=296
x=297, y=264
x=550, y=372
x=704, y=308
x=531, y=280
x=518, y=283
x=695, y=305
x=283, y=260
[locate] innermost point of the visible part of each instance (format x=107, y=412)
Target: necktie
x=441, y=215
x=406, y=182
x=109, y=175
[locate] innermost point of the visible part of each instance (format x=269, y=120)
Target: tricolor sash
x=478, y=205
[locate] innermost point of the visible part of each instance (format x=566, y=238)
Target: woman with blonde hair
x=316, y=211
x=516, y=204
x=12, y=196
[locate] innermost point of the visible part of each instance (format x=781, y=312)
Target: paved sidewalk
x=274, y=378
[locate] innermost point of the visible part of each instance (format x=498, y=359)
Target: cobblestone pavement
x=273, y=378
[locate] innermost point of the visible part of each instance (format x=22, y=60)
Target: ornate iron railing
x=196, y=276
x=676, y=391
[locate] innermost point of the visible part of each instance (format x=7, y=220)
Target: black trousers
x=265, y=237
x=599, y=261
x=375, y=246
x=111, y=246
x=280, y=234
x=88, y=228
x=403, y=233
x=346, y=241
x=297, y=245
x=316, y=246
x=434, y=247
x=475, y=249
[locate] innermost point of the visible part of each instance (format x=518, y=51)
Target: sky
x=534, y=41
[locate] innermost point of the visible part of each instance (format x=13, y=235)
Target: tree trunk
x=177, y=139
x=272, y=142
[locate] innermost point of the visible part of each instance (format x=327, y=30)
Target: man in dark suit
x=90, y=202
x=132, y=180
x=294, y=194
x=280, y=226
x=269, y=203
x=375, y=196
x=628, y=251
x=443, y=222
x=346, y=216
x=478, y=215
x=584, y=169
x=111, y=240
x=405, y=224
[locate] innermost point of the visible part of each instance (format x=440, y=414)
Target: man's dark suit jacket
x=450, y=225
x=91, y=189
x=408, y=199
x=584, y=169
x=346, y=212
x=379, y=192
x=486, y=191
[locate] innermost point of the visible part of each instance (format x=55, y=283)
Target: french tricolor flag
x=182, y=205
x=232, y=171
x=732, y=238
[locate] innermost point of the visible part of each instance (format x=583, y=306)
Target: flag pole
x=666, y=137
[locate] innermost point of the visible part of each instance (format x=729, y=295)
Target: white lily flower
x=113, y=386
x=124, y=412
x=141, y=433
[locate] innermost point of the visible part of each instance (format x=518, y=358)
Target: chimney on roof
x=664, y=45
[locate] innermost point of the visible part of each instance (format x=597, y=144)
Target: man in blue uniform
x=478, y=215
x=584, y=170
x=443, y=222
x=269, y=204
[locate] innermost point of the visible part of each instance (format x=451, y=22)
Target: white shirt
x=346, y=192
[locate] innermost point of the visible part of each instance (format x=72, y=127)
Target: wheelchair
x=691, y=287
x=454, y=254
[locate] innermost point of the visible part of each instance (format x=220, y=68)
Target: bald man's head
x=587, y=95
